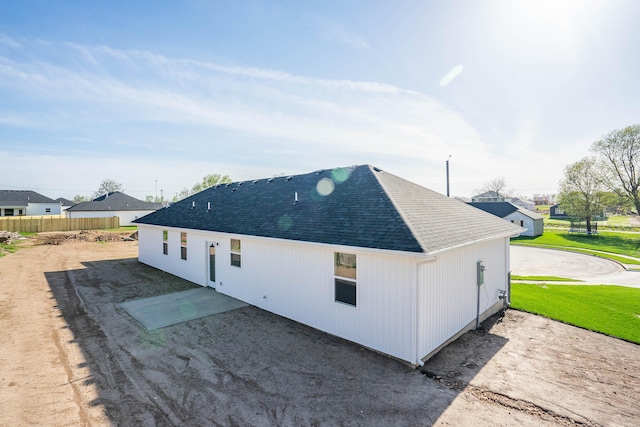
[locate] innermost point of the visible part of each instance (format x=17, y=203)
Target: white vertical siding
x=533, y=227
x=41, y=209
x=296, y=280
x=447, y=291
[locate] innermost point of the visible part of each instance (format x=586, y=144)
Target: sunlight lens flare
x=325, y=186
x=455, y=72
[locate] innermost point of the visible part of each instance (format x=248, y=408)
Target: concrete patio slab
x=178, y=307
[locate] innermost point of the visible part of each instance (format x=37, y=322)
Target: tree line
x=610, y=176
x=110, y=186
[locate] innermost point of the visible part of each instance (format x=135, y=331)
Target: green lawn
x=611, y=310
x=618, y=221
x=12, y=247
x=612, y=242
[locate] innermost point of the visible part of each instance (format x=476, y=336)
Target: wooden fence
x=55, y=223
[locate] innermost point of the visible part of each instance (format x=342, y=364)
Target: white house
x=532, y=222
x=118, y=204
x=27, y=202
x=356, y=252
x=527, y=204
x=64, y=203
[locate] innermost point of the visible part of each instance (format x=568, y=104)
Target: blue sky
x=170, y=91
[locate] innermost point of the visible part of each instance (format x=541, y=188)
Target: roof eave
x=509, y=234
x=334, y=246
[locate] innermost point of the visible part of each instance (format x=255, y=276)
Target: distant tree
x=619, y=151
x=496, y=185
x=78, y=198
x=209, y=181
x=582, y=192
x=182, y=194
x=107, y=186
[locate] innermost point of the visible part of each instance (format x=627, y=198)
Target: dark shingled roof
x=22, y=198
x=115, y=201
x=500, y=209
x=359, y=206
x=65, y=202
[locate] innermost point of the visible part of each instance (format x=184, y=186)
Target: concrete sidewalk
x=532, y=261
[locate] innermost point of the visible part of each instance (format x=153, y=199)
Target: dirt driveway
x=71, y=356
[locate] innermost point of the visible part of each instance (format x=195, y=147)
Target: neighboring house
x=65, y=203
x=555, y=212
x=527, y=204
x=541, y=199
x=118, y=204
x=355, y=252
x=488, y=196
x=26, y=202
x=531, y=221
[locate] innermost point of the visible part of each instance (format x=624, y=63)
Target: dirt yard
x=70, y=356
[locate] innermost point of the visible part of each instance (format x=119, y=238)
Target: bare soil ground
x=71, y=356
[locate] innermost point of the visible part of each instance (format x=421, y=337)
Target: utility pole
x=156, y=190
x=448, y=175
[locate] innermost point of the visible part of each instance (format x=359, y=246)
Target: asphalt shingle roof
x=65, y=202
x=22, y=198
x=502, y=209
x=115, y=201
x=358, y=206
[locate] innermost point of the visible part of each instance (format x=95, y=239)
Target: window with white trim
x=235, y=253
x=165, y=242
x=183, y=245
x=345, y=278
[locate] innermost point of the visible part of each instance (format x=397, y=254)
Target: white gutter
x=471, y=242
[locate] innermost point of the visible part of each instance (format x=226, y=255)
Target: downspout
x=479, y=282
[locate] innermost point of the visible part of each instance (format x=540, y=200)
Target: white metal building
x=356, y=252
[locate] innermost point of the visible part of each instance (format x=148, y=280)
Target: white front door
x=211, y=264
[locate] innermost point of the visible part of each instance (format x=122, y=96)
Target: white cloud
x=337, y=32
x=165, y=115
x=8, y=41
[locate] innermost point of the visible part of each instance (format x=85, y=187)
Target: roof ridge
x=409, y=229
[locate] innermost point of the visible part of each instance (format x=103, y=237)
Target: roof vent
x=319, y=171
x=208, y=206
x=193, y=204
x=269, y=180
x=240, y=183
x=288, y=178
x=254, y=182
x=295, y=198
x=228, y=184
x=234, y=189
x=377, y=169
